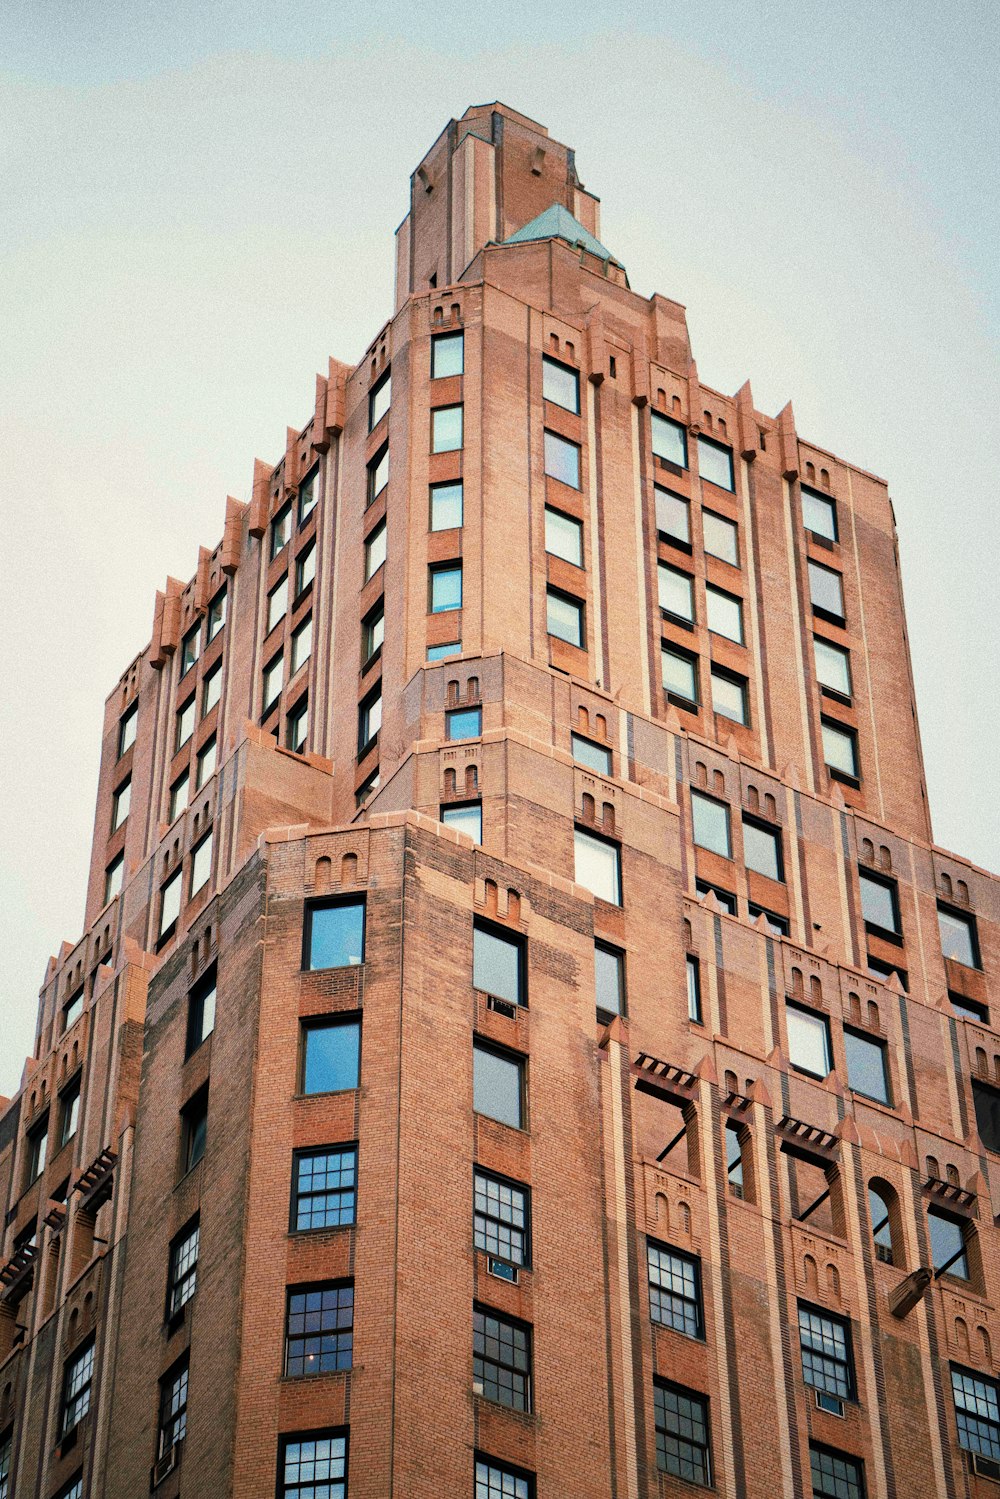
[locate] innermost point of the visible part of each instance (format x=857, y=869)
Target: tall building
x=524, y=1041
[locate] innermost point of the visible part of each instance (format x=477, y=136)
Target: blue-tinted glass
x=447, y=355
x=337, y=935
x=446, y=589
x=438, y=652
x=465, y=723
x=562, y=460
x=332, y=1054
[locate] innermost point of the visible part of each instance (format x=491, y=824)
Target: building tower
x=524, y=1041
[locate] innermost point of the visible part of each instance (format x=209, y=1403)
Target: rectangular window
x=948, y=1252
x=448, y=648
x=445, y=591
x=211, y=689
x=674, y=1290
x=710, y=821
x=498, y=1085
x=38, y=1148
x=372, y=633
x=825, y=1344
x=201, y=1013
x=676, y=592
x=201, y=864
x=216, y=616
x=609, y=979
x=598, y=866
x=715, y=463
x=194, y=1128
x=808, y=1041
x=466, y=817
x=987, y=1102
x=313, y=1466
x=379, y=399
x=840, y=750
x=501, y=1359
x=969, y=1009
x=6, y=1444
x=277, y=603
x=69, y=1111
x=959, y=938
x=378, y=473
x=669, y=440
x=446, y=429
x=563, y=536
x=694, y=989
x=501, y=1218
x=113, y=876
x=281, y=530
x=725, y=614
x=170, y=903
x=334, y=933
x=331, y=1054
x=762, y=849
x=120, y=804
x=879, y=904
x=562, y=460
x=833, y=667
x=369, y=720
x=189, y=649
x=447, y=355
x=447, y=506
x=308, y=495
x=319, y=1329
x=463, y=723
x=72, y=1010
x=496, y=1481
x=673, y=516
x=182, y=1272
x=734, y=1159
x=721, y=537
x=834, y=1474
x=499, y=964
x=680, y=675
x=977, y=1412
x=127, y=725
x=819, y=514
x=564, y=617
x=826, y=592
x=725, y=898
x=375, y=550
x=274, y=679
x=297, y=727
x=594, y=756
x=305, y=569
x=185, y=724
x=206, y=761
x=776, y=925
x=560, y=385
x=867, y=1066
x=884, y=971
x=302, y=643
x=681, y=1421
x=729, y=695
x=78, y=1381
x=179, y=796
x=324, y=1187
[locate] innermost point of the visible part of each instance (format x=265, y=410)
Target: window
x=439, y=652
x=497, y=1481
x=834, y=1475
x=120, y=804
x=673, y=516
x=173, y=1408
x=725, y=898
x=281, y=530
x=777, y=925
x=72, y=1010
x=211, y=689
x=826, y=592
x=729, y=695
x=216, y=616
x=378, y=473
x=170, y=904
x=734, y=1159
x=7, y=1442
x=182, y=1271
x=185, y=723
x=669, y=440
x=560, y=385
x=715, y=463
x=676, y=592
x=127, y=725
x=206, y=761
x=463, y=723
x=113, y=877
x=710, y=821
x=987, y=1102
x=977, y=1412
x=331, y=1054
x=594, y=756
x=681, y=1420
x=674, y=1289
x=762, y=849
x=319, y=1329
x=201, y=864
x=78, y=1379
x=959, y=939
x=308, y=495
x=324, y=1187
x=277, y=603
x=334, y=933
x=825, y=1343
x=721, y=537
x=948, y=1252
x=879, y=904
x=305, y=569
x=201, y=1013
x=313, y=1467
x=501, y=1219
x=445, y=587
x=379, y=398
x=969, y=1009
x=499, y=964
x=884, y=971
x=446, y=429
x=189, y=649
x=447, y=355
x=302, y=643
x=374, y=550
x=563, y=536
x=562, y=460
x=609, y=979
x=369, y=720
x=297, y=727
x=725, y=614
x=598, y=866
x=498, y=1085
x=274, y=677
x=680, y=675
x=466, y=817
x=878, y=1210
x=833, y=667
x=69, y=1108
x=447, y=506
x=564, y=617
x=819, y=514
x=694, y=989
x=501, y=1359
x=38, y=1147
x=194, y=1128
x=808, y=1041
x=179, y=795
x=840, y=750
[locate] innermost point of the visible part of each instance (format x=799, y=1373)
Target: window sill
x=326, y=1093
x=677, y=619
x=844, y=779
x=334, y=967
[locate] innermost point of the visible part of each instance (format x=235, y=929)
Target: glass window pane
x=305, y=569
x=839, y=750
x=466, y=819
x=598, y=866
x=564, y=618
x=277, y=603
x=113, y=877
x=693, y=990
x=729, y=697
x=594, y=756
x=833, y=666
x=446, y=506
x=446, y=589
x=216, y=615
x=211, y=690
x=725, y=614
x=676, y=591
x=496, y=965
x=560, y=385
x=673, y=515
x=308, y=495
x=819, y=514
x=669, y=440
x=378, y=474
x=496, y=1086
x=987, y=1102
x=609, y=979
x=947, y=1244
x=336, y=935
x=958, y=940
x=170, y=902
x=179, y=796
x=375, y=551
x=447, y=355
x=201, y=864
x=866, y=1066
x=711, y=825
x=379, y=400
x=721, y=537
x=464, y=723
x=563, y=536
x=439, y=652
x=680, y=674
x=273, y=678
x=446, y=429
x=878, y=903
x=762, y=850
x=206, y=761
x=332, y=1055
x=826, y=590
x=562, y=460
x=281, y=530
x=715, y=463
x=126, y=729
x=302, y=644
x=297, y=728
x=185, y=723
x=808, y=1041
x=121, y=804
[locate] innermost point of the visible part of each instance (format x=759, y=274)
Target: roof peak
x=556, y=222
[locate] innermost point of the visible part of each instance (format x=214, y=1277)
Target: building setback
x=525, y=1042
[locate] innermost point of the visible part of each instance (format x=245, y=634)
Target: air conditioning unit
x=166, y=1465
x=501, y=1006
x=829, y=1403
x=984, y=1467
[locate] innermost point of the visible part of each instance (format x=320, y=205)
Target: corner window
x=681, y=1422
x=308, y=495
x=189, y=649
x=447, y=355
x=379, y=399
x=762, y=849
x=302, y=639
x=211, y=689
x=318, y=1456
x=447, y=506
x=182, y=1271
x=725, y=614
x=819, y=514
x=206, y=761
x=715, y=463
x=375, y=550
x=721, y=537
x=498, y=1085
x=201, y=1013
x=598, y=866
x=78, y=1381
x=378, y=473
x=274, y=677
x=445, y=587
x=305, y=569
x=216, y=616
x=184, y=724
x=463, y=723
x=948, y=1251
x=562, y=460
x=808, y=1041
x=201, y=864
x=331, y=1054
x=179, y=796
x=319, y=1330
x=959, y=939
x=369, y=720
x=835, y=1475
x=680, y=675
x=669, y=440
x=673, y=516
x=840, y=750
x=879, y=904
x=170, y=904
x=833, y=667
x=126, y=729
x=113, y=877
x=499, y=964
x=563, y=536
x=674, y=1290
x=446, y=429
x=609, y=979
x=334, y=933
x=977, y=1412
x=324, y=1187
x=281, y=530
x=564, y=617
x=120, y=804
x=465, y=817
x=710, y=821
x=594, y=756
x=277, y=604
x=501, y=1218
x=694, y=989
x=676, y=592
x=729, y=696
x=826, y=592
x=825, y=1345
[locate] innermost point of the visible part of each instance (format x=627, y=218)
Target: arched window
x=879, y=1208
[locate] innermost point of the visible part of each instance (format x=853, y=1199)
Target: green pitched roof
x=558, y=223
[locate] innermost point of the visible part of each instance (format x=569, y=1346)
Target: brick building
x=524, y=1040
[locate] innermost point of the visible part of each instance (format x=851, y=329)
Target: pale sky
x=197, y=208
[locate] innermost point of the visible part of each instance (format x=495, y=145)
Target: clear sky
x=197, y=204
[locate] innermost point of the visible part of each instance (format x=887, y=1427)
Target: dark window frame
x=180, y=1278
x=515, y=1325
x=892, y=934
x=438, y=569
x=860, y=1034
x=331, y=1020
x=450, y=337
x=197, y=994
x=339, y=1484
x=618, y=954
x=520, y=1061
x=689, y=704
x=524, y=1263
x=566, y=369
x=339, y=1284
x=327, y=903
x=375, y=390
x=969, y=920
x=580, y=605
x=847, y=1363
x=371, y=474
x=773, y=830
x=694, y=1398
x=514, y=939
x=802, y=1009
x=692, y=1306
x=297, y=1196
